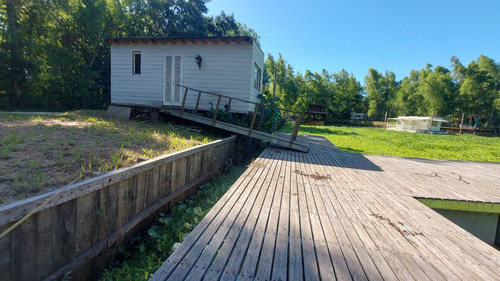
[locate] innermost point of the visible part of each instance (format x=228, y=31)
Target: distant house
x=358, y=116
x=147, y=71
x=415, y=124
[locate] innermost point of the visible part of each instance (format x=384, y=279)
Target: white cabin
x=415, y=124
x=146, y=71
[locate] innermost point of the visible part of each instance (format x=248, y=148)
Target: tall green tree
x=408, y=100
x=492, y=70
x=347, y=96
x=437, y=88
x=477, y=89
x=381, y=92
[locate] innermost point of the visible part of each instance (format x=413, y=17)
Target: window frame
x=257, y=71
x=136, y=69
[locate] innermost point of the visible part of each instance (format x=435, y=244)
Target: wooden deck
x=327, y=215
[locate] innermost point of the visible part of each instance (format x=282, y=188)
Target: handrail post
x=197, y=102
x=229, y=104
x=216, y=110
x=253, y=118
x=184, y=100
x=296, y=128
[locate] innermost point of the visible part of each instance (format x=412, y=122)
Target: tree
x=381, y=91
x=477, y=88
x=286, y=87
x=492, y=70
x=347, y=96
x=436, y=87
x=15, y=79
x=408, y=100
x=53, y=53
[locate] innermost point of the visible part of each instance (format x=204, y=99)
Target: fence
x=78, y=232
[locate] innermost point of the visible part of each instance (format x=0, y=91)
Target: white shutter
x=168, y=80
x=177, y=79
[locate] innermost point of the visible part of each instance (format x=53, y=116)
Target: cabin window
x=136, y=63
x=256, y=77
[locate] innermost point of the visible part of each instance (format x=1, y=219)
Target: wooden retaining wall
x=78, y=232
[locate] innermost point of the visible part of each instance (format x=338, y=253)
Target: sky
x=355, y=35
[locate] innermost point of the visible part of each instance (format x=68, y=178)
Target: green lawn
x=385, y=142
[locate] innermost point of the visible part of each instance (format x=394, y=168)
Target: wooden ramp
x=272, y=139
x=253, y=129
x=329, y=215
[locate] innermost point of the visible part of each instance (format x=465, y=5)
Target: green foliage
x=144, y=255
x=53, y=54
x=10, y=143
x=381, y=92
x=405, y=144
x=269, y=118
x=472, y=90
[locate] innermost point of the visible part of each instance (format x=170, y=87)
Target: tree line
x=53, y=53
x=471, y=91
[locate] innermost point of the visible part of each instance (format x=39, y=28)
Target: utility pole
x=274, y=85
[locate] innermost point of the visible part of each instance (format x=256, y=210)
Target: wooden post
x=385, y=119
x=229, y=114
x=430, y=124
x=296, y=128
x=253, y=119
x=184, y=101
x=216, y=110
x=274, y=85
x=197, y=102
x=462, y=124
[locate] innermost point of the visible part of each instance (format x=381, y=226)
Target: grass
x=380, y=141
x=44, y=151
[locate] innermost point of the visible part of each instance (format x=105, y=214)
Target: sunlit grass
x=384, y=142
x=78, y=144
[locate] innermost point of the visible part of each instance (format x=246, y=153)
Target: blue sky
x=358, y=34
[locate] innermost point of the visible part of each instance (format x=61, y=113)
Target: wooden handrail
x=238, y=99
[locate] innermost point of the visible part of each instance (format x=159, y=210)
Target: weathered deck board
x=330, y=215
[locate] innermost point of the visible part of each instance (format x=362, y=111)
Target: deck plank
x=331, y=215
x=252, y=259
x=269, y=247
x=281, y=251
x=295, y=265
x=231, y=254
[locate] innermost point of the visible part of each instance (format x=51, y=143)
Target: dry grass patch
x=38, y=153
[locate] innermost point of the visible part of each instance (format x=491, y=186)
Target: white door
x=173, y=77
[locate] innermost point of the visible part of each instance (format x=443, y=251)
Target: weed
x=37, y=182
x=10, y=143
x=33, y=164
x=148, y=153
x=20, y=181
x=5, y=152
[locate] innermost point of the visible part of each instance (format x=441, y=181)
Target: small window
x=136, y=63
x=256, y=77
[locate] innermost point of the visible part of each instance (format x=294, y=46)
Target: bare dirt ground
x=43, y=152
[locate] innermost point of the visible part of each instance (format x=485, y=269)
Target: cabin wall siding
x=226, y=69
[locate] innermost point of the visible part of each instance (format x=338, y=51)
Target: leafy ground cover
x=143, y=255
x=384, y=142
x=40, y=152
